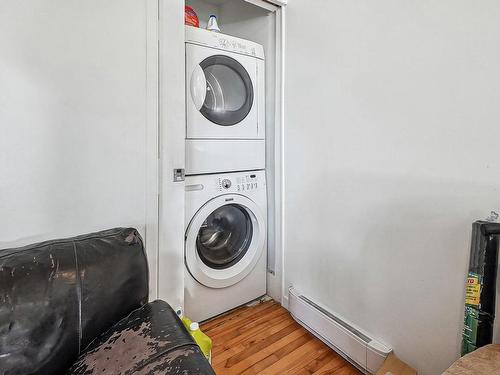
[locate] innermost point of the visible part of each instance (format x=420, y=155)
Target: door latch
x=179, y=174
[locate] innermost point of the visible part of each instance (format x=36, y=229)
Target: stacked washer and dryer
x=226, y=201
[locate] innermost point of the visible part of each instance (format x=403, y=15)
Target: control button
x=226, y=184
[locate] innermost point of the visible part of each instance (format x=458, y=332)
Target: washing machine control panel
x=239, y=183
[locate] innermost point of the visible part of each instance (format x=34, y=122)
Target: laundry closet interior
x=233, y=138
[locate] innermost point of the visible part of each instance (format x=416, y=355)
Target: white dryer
x=225, y=247
x=225, y=103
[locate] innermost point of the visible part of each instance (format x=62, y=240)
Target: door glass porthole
x=229, y=90
x=225, y=236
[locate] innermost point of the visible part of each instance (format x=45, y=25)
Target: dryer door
x=229, y=90
x=224, y=241
x=221, y=94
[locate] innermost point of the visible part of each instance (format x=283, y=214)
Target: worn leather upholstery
x=149, y=341
x=56, y=297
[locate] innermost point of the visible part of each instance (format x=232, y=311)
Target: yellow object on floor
x=203, y=341
x=394, y=366
x=186, y=321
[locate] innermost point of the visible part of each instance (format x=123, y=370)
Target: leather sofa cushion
x=57, y=296
x=151, y=340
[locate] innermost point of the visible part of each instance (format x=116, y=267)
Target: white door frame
x=279, y=145
x=165, y=149
x=276, y=277
x=172, y=134
x=152, y=146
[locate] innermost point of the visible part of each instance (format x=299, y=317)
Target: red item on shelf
x=190, y=17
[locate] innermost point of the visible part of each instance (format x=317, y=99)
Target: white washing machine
x=225, y=103
x=225, y=247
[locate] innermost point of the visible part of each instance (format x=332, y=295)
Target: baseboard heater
x=356, y=346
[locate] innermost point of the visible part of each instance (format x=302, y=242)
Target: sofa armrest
x=150, y=340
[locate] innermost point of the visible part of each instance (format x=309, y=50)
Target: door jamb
x=152, y=146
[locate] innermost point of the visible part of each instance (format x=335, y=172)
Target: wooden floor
x=264, y=339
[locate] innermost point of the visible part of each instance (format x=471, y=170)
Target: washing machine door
x=221, y=94
x=224, y=240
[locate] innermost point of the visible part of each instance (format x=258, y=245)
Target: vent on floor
x=365, y=352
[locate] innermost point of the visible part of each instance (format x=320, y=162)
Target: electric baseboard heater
x=356, y=346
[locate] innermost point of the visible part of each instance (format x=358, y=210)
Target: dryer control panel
x=235, y=45
x=238, y=183
x=196, y=35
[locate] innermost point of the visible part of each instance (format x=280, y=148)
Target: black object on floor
x=481, y=286
x=57, y=297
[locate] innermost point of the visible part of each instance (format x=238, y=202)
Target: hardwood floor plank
x=324, y=355
x=241, y=366
x=277, y=355
x=229, y=340
x=233, y=315
x=233, y=330
x=268, y=341
x=295, y=357
x=265, y=339
x=243, y=321
x=231, y=320
x=347, y=370
x=234, y=347
x=337, y=366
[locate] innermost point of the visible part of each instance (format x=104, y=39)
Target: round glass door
x=225, y=236
x=229, y=90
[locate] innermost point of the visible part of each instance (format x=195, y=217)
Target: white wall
x=392, y=133
x=72, y=118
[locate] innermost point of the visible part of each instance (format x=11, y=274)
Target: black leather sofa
x=79, y=306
